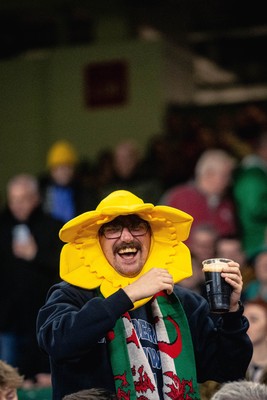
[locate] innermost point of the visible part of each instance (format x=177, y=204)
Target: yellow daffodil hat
x=83, y=264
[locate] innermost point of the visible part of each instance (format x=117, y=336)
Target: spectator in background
x=257, y=288
x=231, y=247
x=103, y=169
x=203, y=241
x=202, y=246
x=241, y=390
x=256, y=313
x=129, y=173
x=91, y=394
x=208, y=388
x=10, y=381
x=29, y=251
x=188, y=138
x=163, y=160
x=172, y=155
x=207, y=198
x=63, y=194
x=250, y=194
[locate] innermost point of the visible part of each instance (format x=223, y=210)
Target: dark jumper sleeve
x=72, y=321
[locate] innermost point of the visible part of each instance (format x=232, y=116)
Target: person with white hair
x=241, y=390
x=29, y=251
x=207, y=197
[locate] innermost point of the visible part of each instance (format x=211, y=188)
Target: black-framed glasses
x=113, y=230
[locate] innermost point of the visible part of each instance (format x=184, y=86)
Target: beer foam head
x=214, y=264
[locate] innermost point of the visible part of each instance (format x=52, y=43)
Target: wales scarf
x=133, y=376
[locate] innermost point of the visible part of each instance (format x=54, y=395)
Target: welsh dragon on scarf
x=132, y=373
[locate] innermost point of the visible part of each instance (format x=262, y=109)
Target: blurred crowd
x=216, y=174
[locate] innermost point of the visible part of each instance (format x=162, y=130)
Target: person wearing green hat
x=119, y=320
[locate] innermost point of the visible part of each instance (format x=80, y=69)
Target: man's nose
x=126, y=235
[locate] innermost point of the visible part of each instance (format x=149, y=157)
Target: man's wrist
x=238, y=307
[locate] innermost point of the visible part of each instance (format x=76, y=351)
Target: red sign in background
x=106, y=84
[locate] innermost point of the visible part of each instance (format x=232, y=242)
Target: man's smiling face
x=125, y=242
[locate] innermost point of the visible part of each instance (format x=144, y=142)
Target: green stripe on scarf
x=132, y=374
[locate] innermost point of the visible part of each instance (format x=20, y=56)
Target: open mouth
x=128, y=252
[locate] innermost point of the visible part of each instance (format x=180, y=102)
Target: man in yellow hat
x=119, y=321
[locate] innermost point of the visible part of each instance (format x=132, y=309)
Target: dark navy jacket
x=73, y=322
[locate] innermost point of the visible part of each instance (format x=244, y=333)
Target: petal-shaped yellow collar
x=83, y=264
